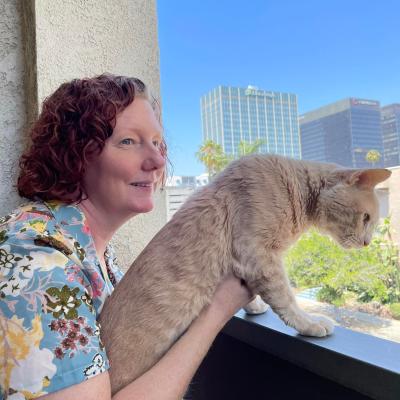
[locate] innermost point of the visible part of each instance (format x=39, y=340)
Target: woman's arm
x=170, y=377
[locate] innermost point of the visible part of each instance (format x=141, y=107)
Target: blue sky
x=322, y=51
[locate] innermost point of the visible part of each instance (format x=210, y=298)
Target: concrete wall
x=76, y=38
x=46, y=42
x=132, y=238
x=13, y=113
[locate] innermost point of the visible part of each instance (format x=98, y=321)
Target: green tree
x=371, y=273
x=373, y=156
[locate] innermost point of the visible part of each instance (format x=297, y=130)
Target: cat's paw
x=317, y=326
x=257, y=306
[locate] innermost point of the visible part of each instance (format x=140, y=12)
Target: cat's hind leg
x=256, y=306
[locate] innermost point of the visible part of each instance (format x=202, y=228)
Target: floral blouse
x=52, y=289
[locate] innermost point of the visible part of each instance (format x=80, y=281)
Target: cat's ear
x=363, y=178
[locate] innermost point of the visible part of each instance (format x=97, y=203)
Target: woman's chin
x=142, y=208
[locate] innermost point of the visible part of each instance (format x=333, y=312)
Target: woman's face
x=122, y=179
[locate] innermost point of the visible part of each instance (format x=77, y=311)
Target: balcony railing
x=258, y=357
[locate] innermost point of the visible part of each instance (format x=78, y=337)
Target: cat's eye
x=366, y=218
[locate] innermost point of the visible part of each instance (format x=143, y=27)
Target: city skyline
x=232, y=114
x=311, y=49
x=343, y=132
x=390, y=116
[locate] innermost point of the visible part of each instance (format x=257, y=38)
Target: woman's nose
x=155, y=160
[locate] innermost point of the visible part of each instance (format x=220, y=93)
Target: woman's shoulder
x=31, y=209
x=32, y=216
x=52, y=225
x=42, y=218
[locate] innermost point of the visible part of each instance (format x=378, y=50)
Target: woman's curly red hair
x=73, y=125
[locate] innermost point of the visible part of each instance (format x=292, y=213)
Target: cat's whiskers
x=352, y=240
x=341, y=204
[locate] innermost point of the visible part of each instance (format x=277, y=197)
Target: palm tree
x=245, y=148
x=373, y=156
x=213, y=157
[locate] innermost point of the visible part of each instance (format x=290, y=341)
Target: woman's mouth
x=146, y=186
x=142, y=184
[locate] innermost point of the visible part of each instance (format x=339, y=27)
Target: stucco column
x=48, y=42
x=13, y=107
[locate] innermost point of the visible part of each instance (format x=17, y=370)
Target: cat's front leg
x=273, y=286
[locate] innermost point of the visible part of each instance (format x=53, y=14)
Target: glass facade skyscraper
x=343, y=133
x=231, y=114
x=390, y=116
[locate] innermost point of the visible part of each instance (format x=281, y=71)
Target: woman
x=96, y=158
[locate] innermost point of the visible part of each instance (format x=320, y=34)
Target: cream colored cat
x=242, y=222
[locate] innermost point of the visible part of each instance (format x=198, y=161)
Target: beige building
x=44, y=43
x=179, y=188
x=391, y=205
x=175, y=196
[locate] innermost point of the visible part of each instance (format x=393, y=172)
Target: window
x=315, y=95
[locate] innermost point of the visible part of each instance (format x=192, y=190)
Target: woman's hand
x=231, y=295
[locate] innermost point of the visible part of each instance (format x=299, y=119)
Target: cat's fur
x=242, y=222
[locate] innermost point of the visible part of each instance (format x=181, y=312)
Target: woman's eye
x=156, y=143
x=366, y=218
x=127, y=141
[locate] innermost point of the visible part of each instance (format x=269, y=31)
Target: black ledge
x=363, y=363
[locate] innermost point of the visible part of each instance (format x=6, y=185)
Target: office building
x=232, y=114
x=390, y=117
x=343, y=132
